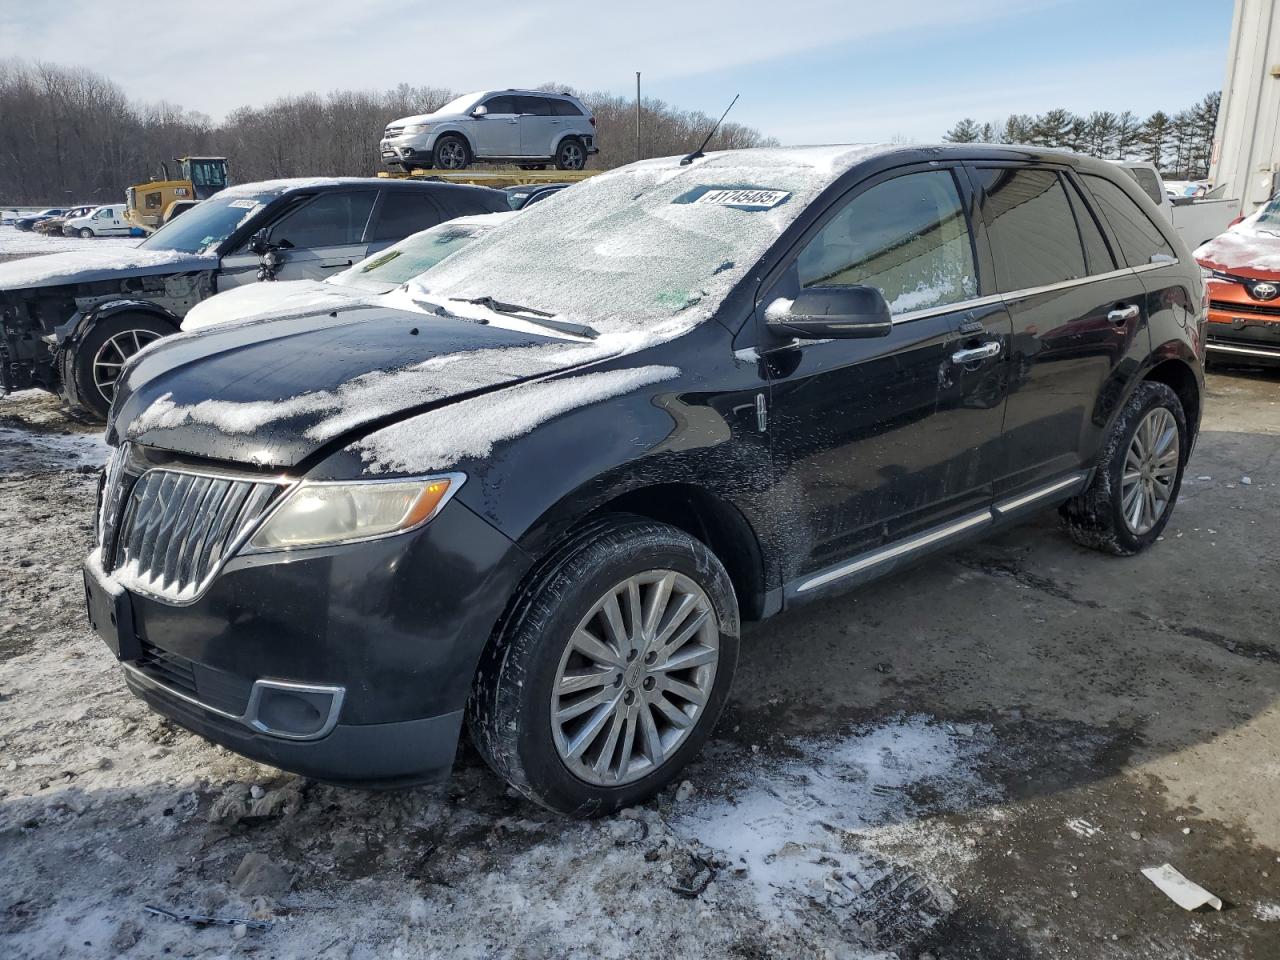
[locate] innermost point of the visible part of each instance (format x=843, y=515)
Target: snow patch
x=469, y=429
x=808, y=829
x=278, y=298
x=21, y=243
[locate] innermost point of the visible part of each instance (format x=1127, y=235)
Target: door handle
x=983, y=352
x=1123, y=314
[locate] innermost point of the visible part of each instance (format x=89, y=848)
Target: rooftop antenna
x=698, y=153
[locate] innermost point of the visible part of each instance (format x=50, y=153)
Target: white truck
x=1197, y=219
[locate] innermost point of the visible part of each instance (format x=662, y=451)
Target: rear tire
x=571, y=154
x=451, y=152
x=1136, y=484
x=627, y=679
x=102, y=353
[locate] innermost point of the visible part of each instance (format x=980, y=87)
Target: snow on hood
x=277, y=299
x=444, y=436
x=86, y=266
x=273, y=391
x=1251, y=246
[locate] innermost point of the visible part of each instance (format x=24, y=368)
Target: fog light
x=293, y=710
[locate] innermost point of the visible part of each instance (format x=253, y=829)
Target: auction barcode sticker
x=748, y=199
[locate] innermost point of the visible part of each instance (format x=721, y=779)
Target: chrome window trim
x=1013, y=295
x=337, y=695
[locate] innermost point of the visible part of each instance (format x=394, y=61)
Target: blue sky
x=808, y=70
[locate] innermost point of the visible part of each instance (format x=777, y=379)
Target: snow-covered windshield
x=411, y=256
x=629, y=249
x=207, y=224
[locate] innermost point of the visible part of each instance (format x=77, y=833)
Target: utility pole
x=637, y=114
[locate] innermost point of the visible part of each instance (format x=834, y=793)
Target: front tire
x=451, y=152
x=1136, y=484
x=85, y=233
x=571, y=154
x=97, y=360
x=609, y=669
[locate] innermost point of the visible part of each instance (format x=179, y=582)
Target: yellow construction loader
x=152, y=204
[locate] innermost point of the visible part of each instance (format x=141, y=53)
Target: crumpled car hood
x=88, y=266
x=276, y=391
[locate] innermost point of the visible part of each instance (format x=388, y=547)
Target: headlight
x=415, y=128
x=335, y=512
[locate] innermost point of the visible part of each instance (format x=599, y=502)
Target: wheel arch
x=1180, y=377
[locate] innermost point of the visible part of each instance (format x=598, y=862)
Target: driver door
x=878, y=440
x=497, y=133
x=317, y=239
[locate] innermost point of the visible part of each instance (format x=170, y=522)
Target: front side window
x=1034, y=239
x=503, y=104
x=907, y=237
x=330, y=220
x=1140, y=240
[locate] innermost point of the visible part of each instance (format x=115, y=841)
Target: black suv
x=542, y=493
x=69, y=321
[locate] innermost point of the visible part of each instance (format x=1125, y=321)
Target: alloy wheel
x=453, y=156
x=572, y=157
x=634, y=678
x=111, y=357
x=1150, y=471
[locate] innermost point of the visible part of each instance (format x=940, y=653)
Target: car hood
x=278, y=298
x=1244, y=251
x=276, y=391
x=87, y=266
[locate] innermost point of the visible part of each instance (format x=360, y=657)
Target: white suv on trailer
x=529, y=127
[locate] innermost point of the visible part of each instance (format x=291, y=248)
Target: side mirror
x=259, y=243
x=840, y=312
x=479, y=111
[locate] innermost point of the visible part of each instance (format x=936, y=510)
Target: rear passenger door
x=400, y=213
x=538, y=124
x=1077, y=315
x=863, y=446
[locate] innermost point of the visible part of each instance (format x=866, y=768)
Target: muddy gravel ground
x=972, y=759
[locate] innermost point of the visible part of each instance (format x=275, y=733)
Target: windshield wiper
x=529, y=314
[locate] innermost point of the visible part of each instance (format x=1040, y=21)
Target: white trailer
x=1246, y=143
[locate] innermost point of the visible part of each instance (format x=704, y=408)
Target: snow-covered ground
x=22, y=243
x=978, y=781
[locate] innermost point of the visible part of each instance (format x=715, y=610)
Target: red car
x=1244, y=288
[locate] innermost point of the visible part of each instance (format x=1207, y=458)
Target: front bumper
x=1244, y=332
x=398, y=150
x=393, y=628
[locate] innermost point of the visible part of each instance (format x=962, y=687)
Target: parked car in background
x=529, y=127
x=69, y=321
x=543, y=492
x=1197, y=217
x=524, y=194
x=105, y=221
x=377, y=274
x=53, y=225
x=1244, y=289
x=30, y=220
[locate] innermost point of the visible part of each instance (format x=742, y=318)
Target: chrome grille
x=393, y=131
x=179, y=527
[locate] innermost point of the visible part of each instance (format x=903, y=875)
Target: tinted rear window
x=1033, y=232
x=404, y=212
x=1140, y=240
x=563, y=108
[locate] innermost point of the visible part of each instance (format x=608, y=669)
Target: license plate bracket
x=111, y=616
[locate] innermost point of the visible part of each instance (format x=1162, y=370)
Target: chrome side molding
x=940, y=535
